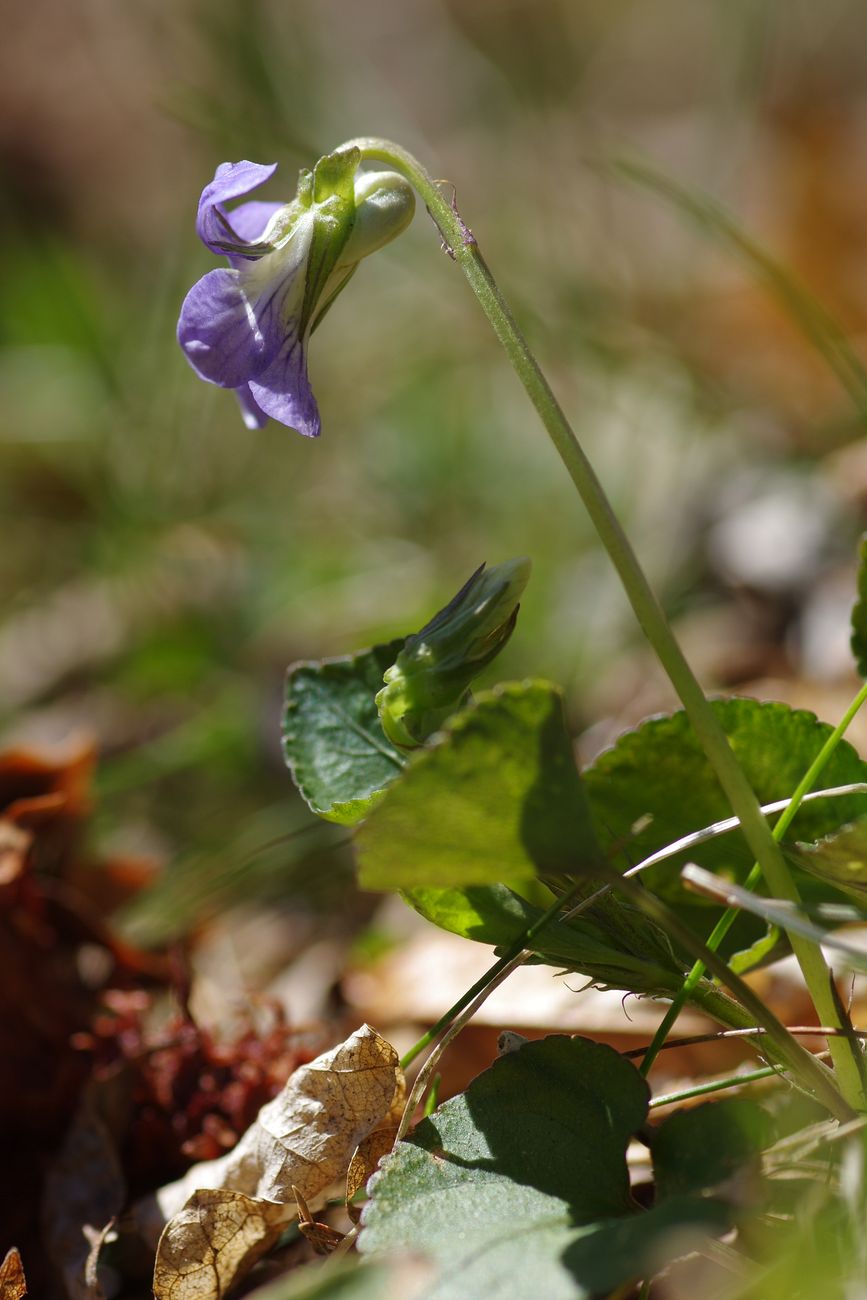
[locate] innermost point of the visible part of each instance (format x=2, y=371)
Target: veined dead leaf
x=371, y=1149
x=302, y=1140
x=213, y=1242
x=12, y=1283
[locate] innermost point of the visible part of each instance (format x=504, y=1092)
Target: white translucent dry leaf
x=213, y=1242
x=372, y=1148
x=304, y=1137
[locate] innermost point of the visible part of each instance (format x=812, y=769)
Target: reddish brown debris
x=191, y=1095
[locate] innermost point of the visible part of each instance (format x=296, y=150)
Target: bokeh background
x=161, y=565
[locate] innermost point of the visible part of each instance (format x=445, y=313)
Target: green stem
x=446, y=1019
x=463, y=247
x=724, y=924
x=519, y=948
x=786, y=1049
x=715, y=1085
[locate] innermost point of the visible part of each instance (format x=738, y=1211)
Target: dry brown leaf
x=371, y=1149
x=217, y=1238
x=304, y=1137
x=12, y=1283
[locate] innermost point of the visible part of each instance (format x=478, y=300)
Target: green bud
x=384, y=207
x=432, y=673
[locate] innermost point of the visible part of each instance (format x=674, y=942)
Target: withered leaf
x=371, y=1149
x=12, y=1283
x=224, y=1214
x=213, y=1242
x=306, y=1135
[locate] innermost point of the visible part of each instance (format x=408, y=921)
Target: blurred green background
x=161, y=565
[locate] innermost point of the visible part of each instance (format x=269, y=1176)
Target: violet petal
x=249, y=220
x=231, y=181
x=219, y=333
x=283, y=390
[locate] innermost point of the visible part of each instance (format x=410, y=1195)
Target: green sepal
x=333, y=218
x=432, y=674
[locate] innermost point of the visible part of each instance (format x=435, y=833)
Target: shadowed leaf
x=496, y=797
x=520, y=1187
x=333, y=742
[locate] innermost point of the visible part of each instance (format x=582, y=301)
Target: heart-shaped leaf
x=660, y=769
x=697, y=1149
x=520, y=1186
x=333, y=742
x=496, y=797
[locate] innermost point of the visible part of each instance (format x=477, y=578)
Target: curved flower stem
x=461, y=244
x=724, y=924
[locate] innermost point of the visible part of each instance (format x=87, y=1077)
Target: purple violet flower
x=246, y=326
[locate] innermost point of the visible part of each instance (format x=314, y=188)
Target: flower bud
x=384, y=207
x=433, y=671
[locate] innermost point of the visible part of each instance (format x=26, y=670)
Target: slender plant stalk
x=448, y=1016
x=519, y=949
x=723, y=1035
x=715, y=1085
x=747, y=1013
x=786, y=1049
x=462, y=246
x=469, y=1010
x=726, y=921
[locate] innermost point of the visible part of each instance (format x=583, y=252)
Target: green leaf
x=660, y=769
x=696, y=1149
x=496, y=797
x=859, y=613
x=838, y=859
x=616, y=949
x=333, y=742
x=520, y=1187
